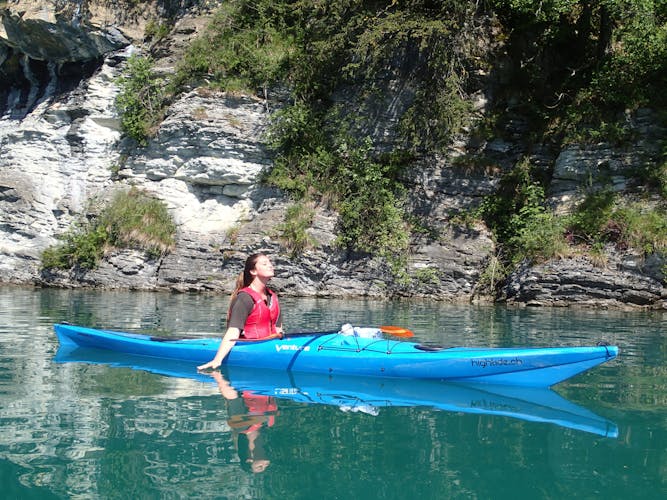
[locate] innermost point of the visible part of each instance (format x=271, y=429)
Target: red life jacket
x=260, y=410
x=262, y=319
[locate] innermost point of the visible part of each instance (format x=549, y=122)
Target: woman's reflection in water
x=248, y=414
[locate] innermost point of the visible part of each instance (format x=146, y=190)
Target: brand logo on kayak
x=285, y=391
x=483, y=363
x=493, y=405
x=292, y=347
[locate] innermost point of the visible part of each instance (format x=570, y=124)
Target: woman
x=254, y=311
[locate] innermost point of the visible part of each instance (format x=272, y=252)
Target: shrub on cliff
x=604, y=218
x=245, y=47
x=141, y=99
x=131, y=220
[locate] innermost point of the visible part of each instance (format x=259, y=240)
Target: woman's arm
x=227, y=391
x=228, y=341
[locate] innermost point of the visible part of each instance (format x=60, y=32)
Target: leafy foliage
x=298, y=218
x=601, y=219
x=654, y=175
x=643, y=229
x=82, y=247
x=244, y=47
x=141, y=99
x=157, y=30
x=578, y=70
x=132, y=220
x=318, y=49
x=636, y=65
x=518, y=217
x=578, y=64
x=527, y=229
x=364, y=189
x=590, y=221
x=370, y=202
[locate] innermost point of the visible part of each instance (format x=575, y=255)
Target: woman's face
x=263, y=268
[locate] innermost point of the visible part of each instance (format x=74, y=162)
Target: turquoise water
x=91, y=430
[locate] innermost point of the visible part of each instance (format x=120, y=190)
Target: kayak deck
x=334, y=353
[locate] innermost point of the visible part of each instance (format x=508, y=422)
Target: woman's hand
x=211, y=365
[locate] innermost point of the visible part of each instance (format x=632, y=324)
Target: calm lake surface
x=82, y=428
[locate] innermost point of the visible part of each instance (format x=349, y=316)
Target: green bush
x=636, y=66
x=494, y=272
x=540, y=236
x=370, y=203
x=157, y=30
x=313, y=161
x=82, y=247
x=243, y=48
x=141, y=100
x=602, y=218
x=427, y=276
x=591, y=218
x=523, y=226
x=132, y=220
x=654, y=174
x=315, y=51
x=572, y=67
x=579, y=66
x=294, y=229
x=365, y=190
x=518, y=192
x=644, y=229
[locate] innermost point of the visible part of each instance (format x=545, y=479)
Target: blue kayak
x=335, y=353
x=370, y=395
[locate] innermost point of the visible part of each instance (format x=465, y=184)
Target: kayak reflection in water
x=248, y=414
x=254, y=311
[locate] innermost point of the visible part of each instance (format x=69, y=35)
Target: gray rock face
x=54, y=160
x=51, y=38
x=45, y=52
x=578, y=169
x=204, y=161
x=62, y=153
x=620, y=282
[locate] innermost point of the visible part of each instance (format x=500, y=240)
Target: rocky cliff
x=61, y=152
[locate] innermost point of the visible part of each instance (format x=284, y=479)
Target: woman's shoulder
x=245, y=297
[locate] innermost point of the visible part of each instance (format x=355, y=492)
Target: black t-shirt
x=241, y=309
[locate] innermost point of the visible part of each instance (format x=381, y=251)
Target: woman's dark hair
x=245, y=277
x=247, y=457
